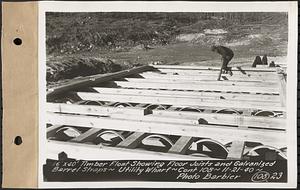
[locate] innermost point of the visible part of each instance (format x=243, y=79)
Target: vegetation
x=81, y=44
x=69, y=33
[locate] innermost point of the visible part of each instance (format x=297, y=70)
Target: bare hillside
x=90, y=43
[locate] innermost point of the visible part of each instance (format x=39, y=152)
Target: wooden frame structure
x=173, y=110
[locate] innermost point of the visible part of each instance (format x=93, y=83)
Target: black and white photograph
x=167, y=94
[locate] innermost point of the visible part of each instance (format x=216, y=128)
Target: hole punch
x=18, y=140
x=17, y=41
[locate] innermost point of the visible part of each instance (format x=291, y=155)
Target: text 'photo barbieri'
x=191, y=97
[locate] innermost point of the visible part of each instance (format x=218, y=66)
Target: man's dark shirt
x=225, y=52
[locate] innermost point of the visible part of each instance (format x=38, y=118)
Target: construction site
x=118, y=91
x=163, y=112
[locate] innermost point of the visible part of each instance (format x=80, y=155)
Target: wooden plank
x=187, y=86
x=52, y=130
x=226, y=119
x=189, y=94
x=133, y=140
x=216, y=132
x=236, y=150
x=262, y=66
x=269, y=69
x=86, y=136
x=93, y=80
x=187, y=117
x=93, y=109
x=207, y=73
x=282, y=81
x=226, y=83
x=156, y=118
x=181, y=145
x=182, y=101
x=81, y=151
x=247, y=112
x=216, y=69
x=235, y=78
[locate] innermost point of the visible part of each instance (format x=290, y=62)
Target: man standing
x=227, y=54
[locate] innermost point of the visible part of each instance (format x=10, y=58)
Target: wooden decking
x=174, y=111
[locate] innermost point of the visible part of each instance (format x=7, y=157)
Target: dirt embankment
x=260, y=39
x=71, y=67
x=70, y=33
x=81, y=44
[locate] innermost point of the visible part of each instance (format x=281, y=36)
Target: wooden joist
x=224, y=77
x=282, y=81
x=236, y=150
x=216, y=132
x=187, y=86
x=249, y=90
x=86, y=136
x=93, y=80
x=157, y=118
x=97, y=152
x=183, y=117
x=236, y=75
x=270, y=69
x=181, y=145
x=226, y=119
x=189, y=94
x=181, y=101
x=94, y=109
x=214, y=72
x=133, y=140
x=52, y=130
x=187, y=81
